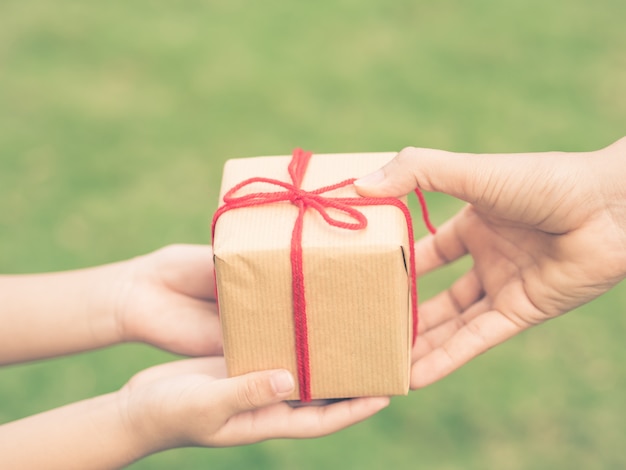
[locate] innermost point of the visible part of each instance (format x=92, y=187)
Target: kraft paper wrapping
x=356, y=283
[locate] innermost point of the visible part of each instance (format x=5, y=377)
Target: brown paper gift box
x=356, y=283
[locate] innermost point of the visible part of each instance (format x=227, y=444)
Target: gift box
x=307, y=284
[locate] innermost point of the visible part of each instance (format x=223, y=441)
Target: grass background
x=116, y=118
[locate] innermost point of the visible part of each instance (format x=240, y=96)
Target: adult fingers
x=450, y=303
x=474, y=338
x=427, y=169
x=445, y=246
x=488, y=181
x=438, y=335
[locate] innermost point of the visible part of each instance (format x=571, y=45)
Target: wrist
x=95, y=429
x=111, y=287
x=52, y=314
x=127, y=304
x=145, y=421
x=125, y=438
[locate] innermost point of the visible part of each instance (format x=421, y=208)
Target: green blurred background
x=116, y=118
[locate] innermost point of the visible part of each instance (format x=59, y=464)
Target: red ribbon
x=292, y=192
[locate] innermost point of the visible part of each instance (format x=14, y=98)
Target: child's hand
x=183, y=403
x=167, y=298
x=191, y=403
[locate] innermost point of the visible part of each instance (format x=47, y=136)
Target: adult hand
x=546, y=231
x=167, y=298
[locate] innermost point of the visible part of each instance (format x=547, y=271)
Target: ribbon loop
x=315, y=199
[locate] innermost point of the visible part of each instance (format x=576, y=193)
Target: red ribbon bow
x=318, y=201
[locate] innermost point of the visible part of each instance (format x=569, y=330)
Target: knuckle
x=407, y=164
x=475, y=329
x=461, y=322
x=251, y=393
x=449, y=355
x=171, y=250
x=407, y=156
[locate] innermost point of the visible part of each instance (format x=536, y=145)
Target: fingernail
x=282, y=382
x=372, y=179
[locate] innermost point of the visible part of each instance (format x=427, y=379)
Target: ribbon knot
x=317, y=199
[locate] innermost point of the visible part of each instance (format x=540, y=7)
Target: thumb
x=255, y=390
x=464, y=176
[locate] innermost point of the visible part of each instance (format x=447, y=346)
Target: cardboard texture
x=356, y=283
